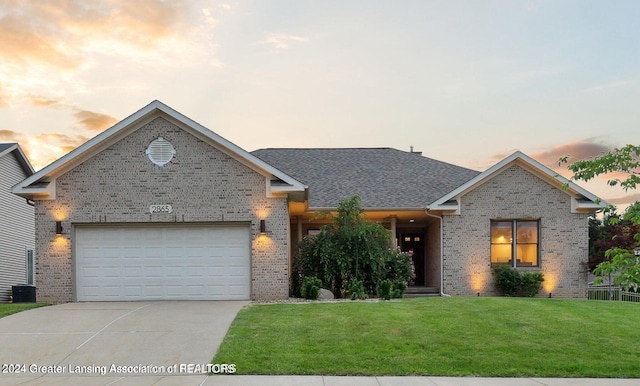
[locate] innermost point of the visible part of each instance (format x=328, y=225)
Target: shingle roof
x=5, y=146
x=382, y=177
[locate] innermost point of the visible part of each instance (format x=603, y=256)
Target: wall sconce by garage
x=263, y=226
x=58, y=227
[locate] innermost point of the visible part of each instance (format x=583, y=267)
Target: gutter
x=426, y=211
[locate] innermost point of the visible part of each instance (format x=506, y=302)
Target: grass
x=490, y=337
x=7, y=309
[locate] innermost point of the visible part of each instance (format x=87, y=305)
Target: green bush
x=530, y=283
x=399, y=267
x=356, y=289
x=311, y=287
x=384, y=289
x=350, y=248
x=511, y=283
x=397, y=289
x=507, y=280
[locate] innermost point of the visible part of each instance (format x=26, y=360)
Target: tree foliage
x=350, y=248
x=625, y=161
x=623, y=164
x=609, y=232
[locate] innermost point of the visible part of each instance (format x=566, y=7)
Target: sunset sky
x=467, y=82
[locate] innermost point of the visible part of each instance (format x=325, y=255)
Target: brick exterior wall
x=202, y=184
x=432, y=255
x=516, y=193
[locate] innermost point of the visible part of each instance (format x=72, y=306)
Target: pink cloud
x=576, y=151
x=94, y=121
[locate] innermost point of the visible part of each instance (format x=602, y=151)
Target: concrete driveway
x=164, y=342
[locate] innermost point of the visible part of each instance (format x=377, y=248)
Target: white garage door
x=121, y=263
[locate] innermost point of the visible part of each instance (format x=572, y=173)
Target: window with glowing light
x=515, y=238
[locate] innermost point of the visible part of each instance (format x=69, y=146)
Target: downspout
x=426, y=211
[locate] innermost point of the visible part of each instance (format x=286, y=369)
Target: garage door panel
x=170, y=262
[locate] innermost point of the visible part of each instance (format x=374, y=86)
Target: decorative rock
x=325, y=294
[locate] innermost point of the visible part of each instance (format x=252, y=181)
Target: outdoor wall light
x=58, y=227
x=549, y=295
x=263, y=226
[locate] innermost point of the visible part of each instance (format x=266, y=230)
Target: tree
x=350, y=248
x=624, y=164
x=611, y=231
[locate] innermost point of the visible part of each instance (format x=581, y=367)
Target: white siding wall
x=17, y=227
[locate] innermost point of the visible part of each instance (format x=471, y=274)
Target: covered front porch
x=413, y=231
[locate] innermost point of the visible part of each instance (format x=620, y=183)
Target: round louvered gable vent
x=160, y=151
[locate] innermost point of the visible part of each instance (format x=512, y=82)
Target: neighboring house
x=16, y=222
x=159, y=207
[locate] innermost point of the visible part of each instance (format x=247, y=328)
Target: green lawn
x=8, y=308
x=457, y=336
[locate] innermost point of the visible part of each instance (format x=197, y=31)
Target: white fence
x=607, y=292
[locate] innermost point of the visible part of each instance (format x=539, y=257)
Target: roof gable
x=582, y=200
x=383, y=178
x=16, y=150
x=38, y=185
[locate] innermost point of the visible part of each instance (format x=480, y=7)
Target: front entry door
x=414, y=242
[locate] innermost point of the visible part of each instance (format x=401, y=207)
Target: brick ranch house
x=159, y=207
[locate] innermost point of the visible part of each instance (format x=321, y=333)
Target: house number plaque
x=157, y=209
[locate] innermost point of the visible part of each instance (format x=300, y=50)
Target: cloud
x=607, y=86
x=47, y=46
x=625, y=200
x=9, y=136
x=280, y=41
x=45, y=148
x=94, y=121
x=87, y=120
x=3, y=97
x=43, y=101
x=576, y=151
x=42, y=149
x=58, y=32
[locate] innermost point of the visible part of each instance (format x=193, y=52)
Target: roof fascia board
x=8, y=150
x=230, y=149
x=325, y=209
x=87, y=149
x=132, y=123
x=524, y=160
x=20, y=157
x=41, y=193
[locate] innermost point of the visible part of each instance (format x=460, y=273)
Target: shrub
x=384, y=289
x=531, y=283
x=511, y=283
x=399, y=266
x=397, y=289
x=507, y=280
x=311, y=287
x=350, y=248
x=356, y=289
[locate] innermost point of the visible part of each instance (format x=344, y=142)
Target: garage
x=162, y=262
